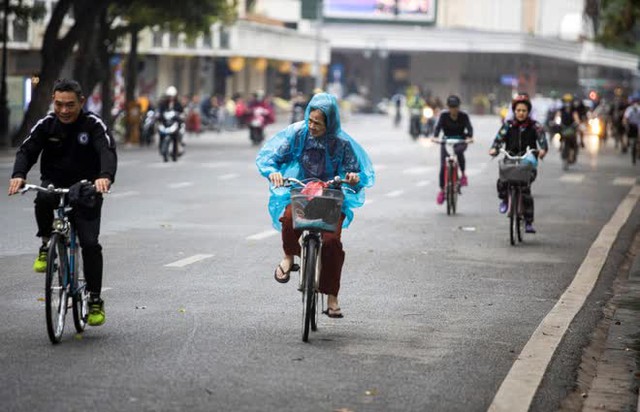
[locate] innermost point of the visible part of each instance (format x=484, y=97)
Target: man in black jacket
x=75, y=145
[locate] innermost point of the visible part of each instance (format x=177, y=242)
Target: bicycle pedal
x=295, y=267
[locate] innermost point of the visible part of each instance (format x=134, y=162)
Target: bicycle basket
x=319, y=212
x=515, y=171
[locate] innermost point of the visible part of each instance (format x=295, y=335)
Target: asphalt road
x=436, y=307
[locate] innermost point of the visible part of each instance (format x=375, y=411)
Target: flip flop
x=333, y=313
x=285, y=279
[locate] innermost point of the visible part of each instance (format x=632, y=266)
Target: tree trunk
x=55, y=52
x=131, y=80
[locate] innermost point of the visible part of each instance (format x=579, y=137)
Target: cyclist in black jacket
x=517, y=135
x=456, y=124
x=75, y=145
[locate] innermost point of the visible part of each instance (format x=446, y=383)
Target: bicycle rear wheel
x=55, y=291
x=455, y=187
x=308, y=289
x=449, y=189
x=513, y=215
x=80, y=295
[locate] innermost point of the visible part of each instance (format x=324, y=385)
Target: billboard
x=423, y=11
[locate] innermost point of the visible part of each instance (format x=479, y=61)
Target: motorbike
x=148, y=128
x=415, y=121
x=569, y=150
x=428, y=121
x=171, y=130
x=257, y=123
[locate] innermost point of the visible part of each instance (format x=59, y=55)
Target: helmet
x=453, y=101
x=521, y=98
x=567, y=97
x=171, y=91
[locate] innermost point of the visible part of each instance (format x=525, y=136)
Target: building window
x=173, y=40
x=20, y=30
x=190, y=42
x=157, y=38
x=207, y=40
x=224, y=38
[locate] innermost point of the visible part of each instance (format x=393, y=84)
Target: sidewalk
x=608, y=377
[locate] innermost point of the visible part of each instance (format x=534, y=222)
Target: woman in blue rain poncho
x=315, y=148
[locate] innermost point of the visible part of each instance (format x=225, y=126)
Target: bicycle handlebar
x=48, y=189
x=452, y=141
x=510, y=157
x=335, y=182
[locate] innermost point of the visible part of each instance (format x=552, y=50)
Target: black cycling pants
x=527, y=198
x=87, y=224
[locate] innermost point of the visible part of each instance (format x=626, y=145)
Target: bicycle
x=451, y=181
x=313, y=213
x=517, y=175
x=64, y=275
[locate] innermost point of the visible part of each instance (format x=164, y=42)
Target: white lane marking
x=187, y=261
x=624, y=181
x=577, y=178
x=216, y=165
x=395, y=193
x=263, y=235
x=119, y=195
x=366, y=202
x=228, y=176
x=419, y=170
x=522, y=381
x=380, y=167
x=127, y=162
x=180, y=185
x=165, y=165
x=423, y=183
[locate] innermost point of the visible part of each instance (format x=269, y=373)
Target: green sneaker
x=96, y=313
x=40, y=264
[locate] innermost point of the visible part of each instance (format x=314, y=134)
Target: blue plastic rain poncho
x=295, y=153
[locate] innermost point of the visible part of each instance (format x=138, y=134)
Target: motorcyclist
x=631, y=121
x=415, y=104
x=453, y=122
x=260, y=115
x=171, y=102
x=518, y=135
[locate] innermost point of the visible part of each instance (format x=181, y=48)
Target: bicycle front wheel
x=513, y=215
x=80, y=294
x=308, y=287
x=55, y=291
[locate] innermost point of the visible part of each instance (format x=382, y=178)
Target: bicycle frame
x=451, y=181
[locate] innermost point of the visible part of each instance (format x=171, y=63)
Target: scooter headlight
x=427, y=112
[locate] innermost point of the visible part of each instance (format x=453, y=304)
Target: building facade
x=479, y=49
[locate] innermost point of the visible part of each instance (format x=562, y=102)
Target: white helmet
x=171, y=91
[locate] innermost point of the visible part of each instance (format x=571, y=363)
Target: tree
x=616, y=23
x=192, y=18
x=56, y=50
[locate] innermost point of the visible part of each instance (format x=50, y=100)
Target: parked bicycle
x=451, y=180
x=64, y=275
x=517, y=172
x=316, y=209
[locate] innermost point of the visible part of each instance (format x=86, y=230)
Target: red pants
x=332, y=254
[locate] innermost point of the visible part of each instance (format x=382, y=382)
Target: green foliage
x=187, y=16
x=620, y=24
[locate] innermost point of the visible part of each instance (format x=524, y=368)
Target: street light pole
x=4, y=109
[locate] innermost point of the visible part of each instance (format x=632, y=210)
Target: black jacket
x=70, y=152
x=460, y=127
x=517, y=136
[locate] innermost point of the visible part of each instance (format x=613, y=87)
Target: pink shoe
x=440, y=198
x=464, y=181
